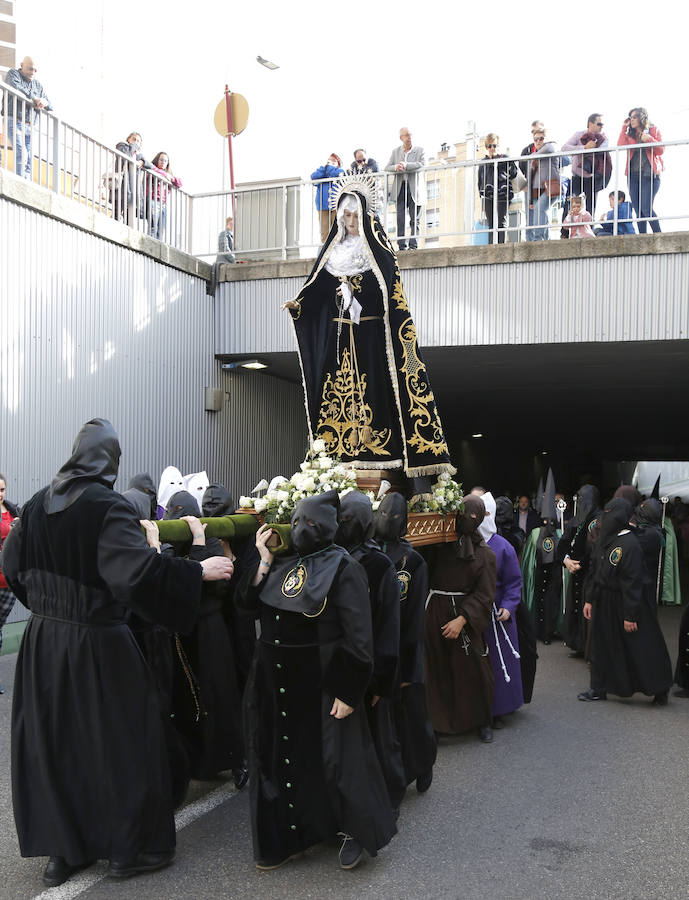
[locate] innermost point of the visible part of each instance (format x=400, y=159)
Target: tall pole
x=228, y=105
x=561, y=507
x=664, y=501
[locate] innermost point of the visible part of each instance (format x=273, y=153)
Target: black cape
x=625, y=663
x=313, y=775
x=90, y=771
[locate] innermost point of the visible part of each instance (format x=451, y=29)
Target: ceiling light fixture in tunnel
x=244, y=364
x=477, y=435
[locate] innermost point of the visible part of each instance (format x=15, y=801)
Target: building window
x=433, y=188
x=432, y=220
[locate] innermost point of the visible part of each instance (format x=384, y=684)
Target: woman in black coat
x=495, y=187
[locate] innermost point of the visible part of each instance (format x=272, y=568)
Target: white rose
x=271, y=495
x=246, y=502
x=309, y=485
x=260, y=504
x=326, y=487
x=319, y=446
x=325, y=462
x=282, y=496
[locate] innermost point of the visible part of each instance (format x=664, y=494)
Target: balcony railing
x=279, y=219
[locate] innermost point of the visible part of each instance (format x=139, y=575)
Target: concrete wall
x=604, y=289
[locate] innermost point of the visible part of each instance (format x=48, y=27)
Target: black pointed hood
x=548, y=509
x=314, y=522
x=390, y=519
x=356, y=520
x=649, y=513
x=95, y=459
x=629, y=493
x=655, y=493
x=615, y=518
x=217, y=501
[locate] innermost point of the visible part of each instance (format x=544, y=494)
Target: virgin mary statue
x=366, y=387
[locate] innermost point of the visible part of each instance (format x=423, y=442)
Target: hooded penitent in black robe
x=624, y=663
x=542, y=578
x=414, y=729
x=576, y=543
x=155, y=642
x=206, y=701
x=367, y=391
x=459, y=677
x=355, y=534
x=217, y=501
x=312, y=775
x=90, y=774
x=144, y=483
x=648, y=517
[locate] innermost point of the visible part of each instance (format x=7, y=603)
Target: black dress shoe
x=498, y=722
x=144, y=862
x=58, y=871
x=351, y=852
x=592, y=695
x=241, y=776
x=423, y=782
x=660, y=699
x=485, y=734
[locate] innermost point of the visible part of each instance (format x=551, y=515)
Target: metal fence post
x=56, y=156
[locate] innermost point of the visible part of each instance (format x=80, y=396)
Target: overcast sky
x=350, y=74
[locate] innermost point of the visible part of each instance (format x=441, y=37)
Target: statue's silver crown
x=345, y=184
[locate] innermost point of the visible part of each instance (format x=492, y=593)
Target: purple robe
x=507, y=696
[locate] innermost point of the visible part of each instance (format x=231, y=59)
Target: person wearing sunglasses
x=590, y=171
x=543, y=187
x=643, y=166
x=495, y=187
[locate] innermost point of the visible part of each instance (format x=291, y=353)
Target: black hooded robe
x=90, y=773
x=207, y=702
x=414, y=729
x=625, y=663
x=312, y=775
x=355, y=533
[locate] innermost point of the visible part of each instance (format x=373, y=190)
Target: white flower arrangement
x=317, y=474
x=446, y=497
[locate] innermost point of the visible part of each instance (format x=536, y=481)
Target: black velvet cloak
x=312, y=775
x=372, y=403
x=90, y=771
x=414, y=729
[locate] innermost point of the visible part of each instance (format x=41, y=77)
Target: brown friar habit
x=459, y=678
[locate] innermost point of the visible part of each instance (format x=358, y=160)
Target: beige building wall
x=8, y=37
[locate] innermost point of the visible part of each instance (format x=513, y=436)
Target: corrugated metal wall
x=89, y=328
x=627, y=298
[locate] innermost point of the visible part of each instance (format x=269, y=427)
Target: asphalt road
x=572, y=800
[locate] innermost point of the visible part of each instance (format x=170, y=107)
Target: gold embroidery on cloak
x=428, y=433
x=345, y=417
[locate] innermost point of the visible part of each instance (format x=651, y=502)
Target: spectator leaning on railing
x=122, y=190
x=495, y=199
x=590, y=172
x=156, y=194
x=332, y=169
x=643, y=165
x=23, y=116
x=536, y=125
x=408, y=188
x=544, y=187
x=362, y=164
